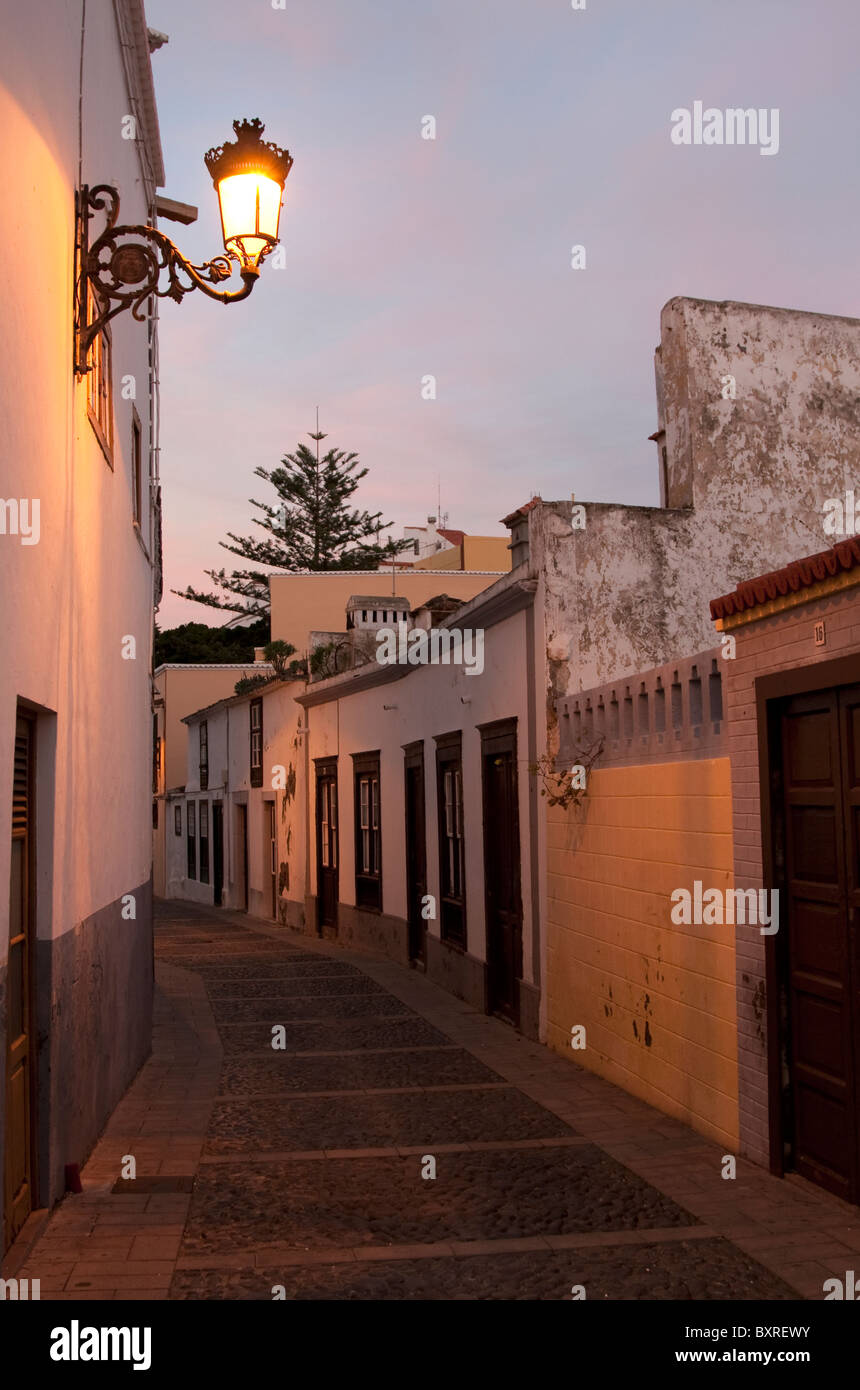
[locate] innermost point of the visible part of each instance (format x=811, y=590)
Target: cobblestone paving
x=303, y=982
x=310, y=1165
x=311, y=1173
x=378, y=1121
x=496, y=1194
x=355, y=1072
x=315, y=1008
x=351, y=1035
x=707, y=1269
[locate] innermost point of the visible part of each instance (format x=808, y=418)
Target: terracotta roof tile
x=520, y=512
x=800, y=574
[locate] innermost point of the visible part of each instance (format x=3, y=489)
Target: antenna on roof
x=318, y=436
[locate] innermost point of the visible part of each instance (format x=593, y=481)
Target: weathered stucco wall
x=657, y=1000
x=746, y=481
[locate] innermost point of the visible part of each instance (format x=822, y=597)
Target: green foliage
x=311, y=527
x=249, y=683
x=195, y=642
x=276, y=653
x=327, y=659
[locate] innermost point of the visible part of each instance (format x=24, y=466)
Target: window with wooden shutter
x=191, y=839
x=136, y=468
x=204, y=841
x=204, y=755
x=100, y=386
x=452, y=845
x=256, y=731
x=368, y=832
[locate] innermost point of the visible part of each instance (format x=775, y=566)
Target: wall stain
x=759, y=1004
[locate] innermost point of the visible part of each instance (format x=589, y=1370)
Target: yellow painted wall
x=657, y=1000
x=443, y=560
x=476, y=553
x=303, y=603
x=487, y=553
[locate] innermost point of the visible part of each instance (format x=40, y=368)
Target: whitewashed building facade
x=79, y=562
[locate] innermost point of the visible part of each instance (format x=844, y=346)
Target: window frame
x=255, y=729
x=99, y=383
x=451, y=838
x=136, y=469
x=177, y=818
x=190, y=841
x=156, y=755
x=203, y=747
x=203, y=836
x=367, y=810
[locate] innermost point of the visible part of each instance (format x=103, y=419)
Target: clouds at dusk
x=452, y=257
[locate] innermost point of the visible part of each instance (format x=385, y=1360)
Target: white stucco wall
x=429, y=701
x=229, y=750
x=71, y=599
x=76, y=601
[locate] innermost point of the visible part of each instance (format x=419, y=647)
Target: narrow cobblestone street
x=302, y=1167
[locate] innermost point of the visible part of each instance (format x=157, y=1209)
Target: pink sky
x=452, y=257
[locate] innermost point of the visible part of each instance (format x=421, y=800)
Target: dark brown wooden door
x=327, y=845
x=242, y=850
x=272, y=857
x=416, y=852
x=19, y=1176
x=502, y=872
x=218, y=851
x=820, y=745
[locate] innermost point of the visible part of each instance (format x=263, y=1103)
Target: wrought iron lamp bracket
x=125, y=265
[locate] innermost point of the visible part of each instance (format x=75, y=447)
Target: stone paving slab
x=297, y=982
x=350, y=1035
x=278, y=967
x=370, y=1121
x=353, y=1072
x=491, y=1195
x=270, y=1005
x=707, y=1269
x=318, y=1008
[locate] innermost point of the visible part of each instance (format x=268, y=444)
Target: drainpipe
x=227, y=829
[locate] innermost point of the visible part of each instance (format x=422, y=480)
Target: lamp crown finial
x=249, y=130
x=248, y=152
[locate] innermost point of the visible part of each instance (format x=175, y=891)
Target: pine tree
x=313, y=527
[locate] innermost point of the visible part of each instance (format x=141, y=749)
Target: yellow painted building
x=472, y=553
x=658, y=1000
x=303, y=603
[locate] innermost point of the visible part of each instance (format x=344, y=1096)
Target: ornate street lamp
x=124, y=265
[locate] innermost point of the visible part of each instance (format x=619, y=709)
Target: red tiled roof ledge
x=519, y=512
x=800, y=574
